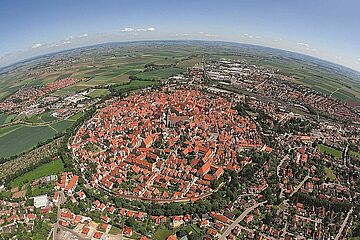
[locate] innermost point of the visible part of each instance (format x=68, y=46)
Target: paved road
x=300, y=185
x=245, y=195
x=345, y=155
x=239, y=219
x=344, y=224
x=56, y=225
x=50, y=234
x=281, y=163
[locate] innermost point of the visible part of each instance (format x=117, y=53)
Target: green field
x=329, y=150
x=354, y=154
x=76, y=116
x=329, y=173
x=98, y=67
x=23, y=138
x=114, y=230
x=162, y=232
x=137, y=84
x=34, y=119
x=62, y=125
x=19, y=138
x=159, y=74
x=98, y=93
x=47, y=169
x=39, y=118
x=9, y=129
x=46, y=117
x=5, y=118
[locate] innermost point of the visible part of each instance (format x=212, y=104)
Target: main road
x=299, y=185
x=344, y=224
x=238, y=220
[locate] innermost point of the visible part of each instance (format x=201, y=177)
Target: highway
x=239, y=219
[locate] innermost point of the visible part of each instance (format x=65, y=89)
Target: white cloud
x=182, y=34
x=129, y=29
x=247, y=35
x=66, y=42
x=36, y=45
x=69, y=38
x=207, y=34
x=306, y=47
x=84, y=35
x=303, y=44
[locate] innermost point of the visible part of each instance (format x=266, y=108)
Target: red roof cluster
x=164, y=144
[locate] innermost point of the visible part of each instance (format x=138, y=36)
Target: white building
x=41, y=201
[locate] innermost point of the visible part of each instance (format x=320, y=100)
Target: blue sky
x=324, y=28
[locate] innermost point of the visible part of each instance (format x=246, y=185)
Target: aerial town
x=179, y=120
x=162, y=145
x=224, y=150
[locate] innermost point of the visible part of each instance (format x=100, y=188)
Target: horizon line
x=25, y=60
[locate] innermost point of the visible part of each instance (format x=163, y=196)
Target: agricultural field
x=9, y=129
x=99, y=66
x=158, y=74
x=10, y=143
x=61, y=126
x=76, y=116
x=18, y=138
x=31, y=158
x=5, y=118
x=40, y=118
x=137, y=84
